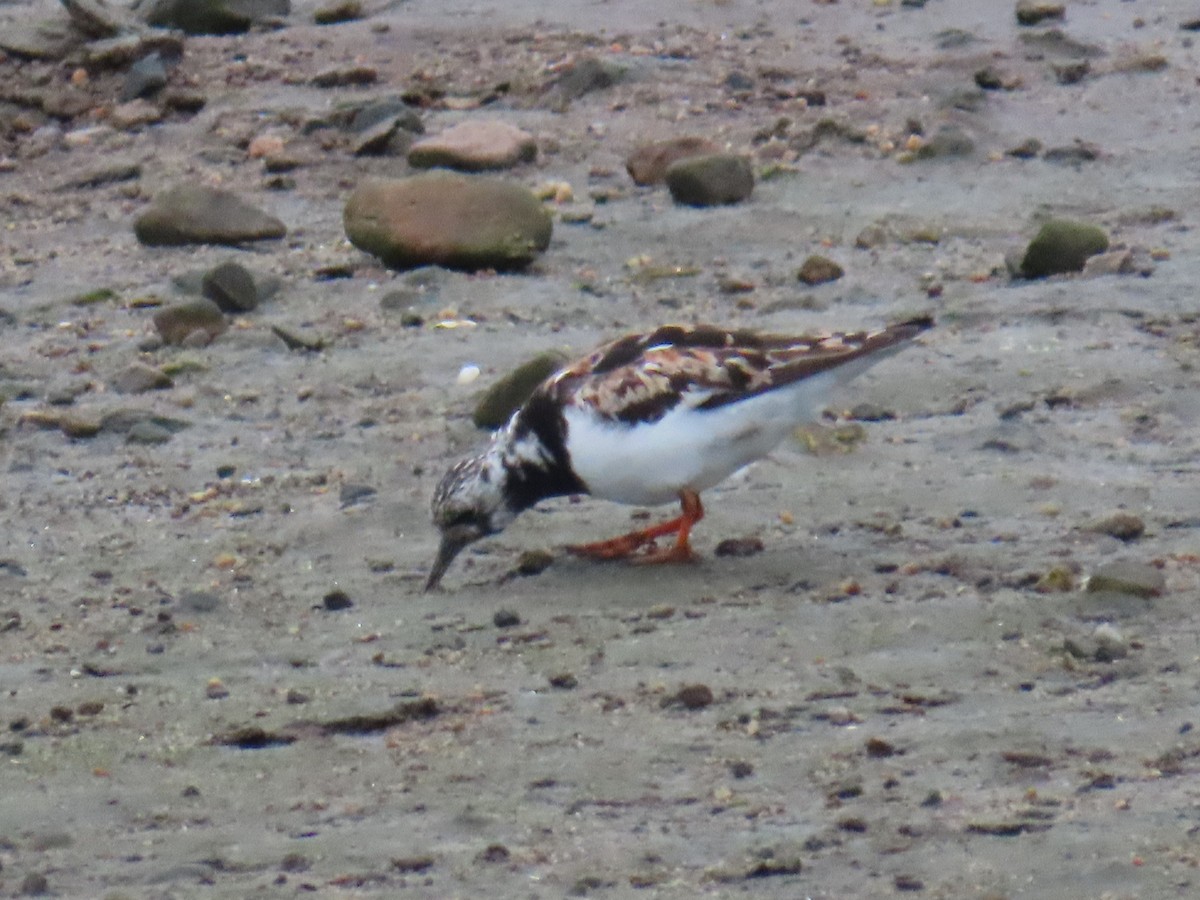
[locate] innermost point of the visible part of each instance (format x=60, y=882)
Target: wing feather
x=641, y=377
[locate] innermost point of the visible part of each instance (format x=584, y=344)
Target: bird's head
x=468, y=504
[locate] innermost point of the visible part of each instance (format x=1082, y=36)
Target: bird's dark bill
x=449, y=548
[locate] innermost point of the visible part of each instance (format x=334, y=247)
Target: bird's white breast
x=651, y=462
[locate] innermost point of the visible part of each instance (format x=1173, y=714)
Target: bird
x=648, y=419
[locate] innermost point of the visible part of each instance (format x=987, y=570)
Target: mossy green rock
x=1062, y=246
x=714, y=180
x=506, y=395
x=447, y=219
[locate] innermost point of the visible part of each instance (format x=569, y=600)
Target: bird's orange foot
x=615, y=548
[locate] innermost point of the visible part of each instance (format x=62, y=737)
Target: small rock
x=385, y=138
x=1059, y=580
x=648, y=163
x=213, y=16
x=1135, y=579
x=494, y=853
x=878, y=748
x=196, y=214
x=145, y=78
x=1115, y=262
x=947, y=142
x=474, y=146
x=134, y=114
x=1124, y=526
x=353, y=494
x=215, y=689
x=138, y=377
x=872, y=236
x=448, y=219
x=1027, y=149
x=96, y=19
x=338, y=11
x=1073, y=154
x=694, y=696
x=565, y=681
x=1033, y=12
x=586, y=74
x=1062, y=246
x=199, y=601
x=38, y=40
x=871, y=412
x=148, y=432
x=336, y=601
x=739, y=547
x=178, y=322
x=231, y=286
x=534, y=562
x=714, y=180
x=506, y=618
x=80, y=425
x=819, y=270
x=345, y=76
x=1106, y=644
x=504, y=397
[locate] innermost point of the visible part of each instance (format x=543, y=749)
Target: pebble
x=648, y=163
x=138, y=377
x=178, y=322
x=694, y=696
x=819, y=270
x=215, y=689
x=145, y=78
x=1132, y=578
x=1115, y=262
x=1062, y=245
x=217, y=17
x=231, y=286
x=714, y=180
x=345, y=76
x=534, y=562
x=565, y=681
x=199, y=601
x=506, y=618
x=449, y=219
x=353, y=494
x=475, y=146
x=467, y=375
x=148, y=432
x=337, y=12
x=1124, y=526
x=134, y=114
x=507, y=394
x=197, y=214
x=336, y=601
x=1034, y=12
x=739, y=547
x=586, y=74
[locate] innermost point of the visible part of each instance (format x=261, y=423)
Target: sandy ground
x=893, y=707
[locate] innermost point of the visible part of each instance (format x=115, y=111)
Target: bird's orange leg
x=627, y=544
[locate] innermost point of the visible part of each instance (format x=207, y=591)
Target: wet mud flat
x=962, y=663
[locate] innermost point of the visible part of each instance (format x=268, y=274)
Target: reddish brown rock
x=475, y=146
x=447, y=219
x=648, y=163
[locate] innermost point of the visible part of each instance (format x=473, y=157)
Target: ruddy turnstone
x=647, y=419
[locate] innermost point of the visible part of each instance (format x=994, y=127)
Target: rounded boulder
x=447, y=219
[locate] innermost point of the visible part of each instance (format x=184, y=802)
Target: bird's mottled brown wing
x=640, y=377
